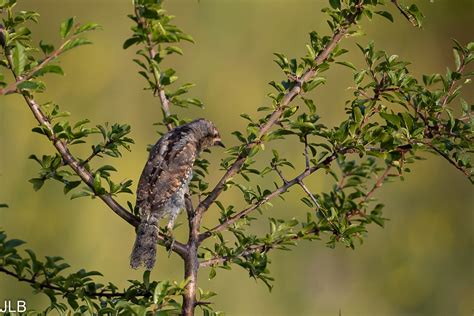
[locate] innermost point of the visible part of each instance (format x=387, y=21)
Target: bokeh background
x=420, y=264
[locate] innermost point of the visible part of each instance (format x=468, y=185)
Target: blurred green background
x=420, y=264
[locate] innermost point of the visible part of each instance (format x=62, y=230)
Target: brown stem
x=191, y=263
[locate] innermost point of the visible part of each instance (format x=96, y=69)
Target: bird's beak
x=218, y=142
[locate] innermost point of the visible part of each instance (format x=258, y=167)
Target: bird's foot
x=169, y=242
x=170, y=249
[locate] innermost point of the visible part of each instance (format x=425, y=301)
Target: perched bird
x=164, y=183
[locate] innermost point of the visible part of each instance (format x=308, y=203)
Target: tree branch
x=13, y=87
x=274, y=118
x=378, y=183
x=159, y=90
x=75, y=165
x=446, y=156
x=46, y=285
x=297, y=180
x=191, y=263
x=252, y=249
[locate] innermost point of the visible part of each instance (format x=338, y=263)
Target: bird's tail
x=144, y=249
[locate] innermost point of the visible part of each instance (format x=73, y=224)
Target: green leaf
x=31, y=85
x=310, y=104
x=174, y=49
x=357, y=114
x=335, y=4
x=49, y=69
x=385, y=14
x=13, y=243
x=87, y=27
x=416, y=15
x=212, y=274
x=37, y=183
x=66, y=27
x=79, y=194
x=19, y=58
x=313, y=83
x=347, y=64
x=75, y=43
x=146, y=279
x=457, y=58
x=97, y=183
x=391, y=118
x=46, y=48
x=131, y=41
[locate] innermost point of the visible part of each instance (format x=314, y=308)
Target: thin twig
x=280, y=174
x=409, y=17
x=378, y=183
x=449, y=159
x=445, y=99
x=150, y=47
x=311, y=196
x=252, y=249
x=13, y=87
x=306, y=154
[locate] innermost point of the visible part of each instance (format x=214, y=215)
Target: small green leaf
x=37, y=183
x=335, y=4
x=347, y=64
x=212, y=274
x=66, y=27
x=385, y=14
x=49, y=69
x=46, y=48
x=86, y=28
x=19, y=58
x=97, y=183
x=391, y=118
x=13, y=243
x=131, y=41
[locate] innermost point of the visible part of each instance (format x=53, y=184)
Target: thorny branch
x=274, y=118
x=46, y=285
x=252, y=249
x=297, y=180
x=74, y=164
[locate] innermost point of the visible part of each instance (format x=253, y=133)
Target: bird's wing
x=152, y=166
x=175, y=172
x=168, y=167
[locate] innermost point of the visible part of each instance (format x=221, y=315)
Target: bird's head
x=208, y=135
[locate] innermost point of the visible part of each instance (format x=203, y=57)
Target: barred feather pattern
x=164, y=183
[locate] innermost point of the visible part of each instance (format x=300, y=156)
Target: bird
x=164, y=183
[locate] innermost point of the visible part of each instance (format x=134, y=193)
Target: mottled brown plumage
x=164, y=182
